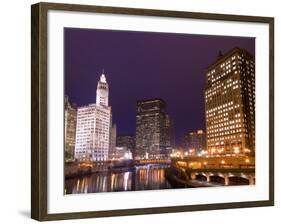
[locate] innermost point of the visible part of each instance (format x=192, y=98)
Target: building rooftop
x=151, y=100
x=221, y=57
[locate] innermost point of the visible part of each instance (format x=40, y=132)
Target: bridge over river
x=235, y=170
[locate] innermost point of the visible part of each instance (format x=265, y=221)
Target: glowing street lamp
x=236, y=150
x=204, y=152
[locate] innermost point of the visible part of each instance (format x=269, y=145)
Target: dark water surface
x=148, y=177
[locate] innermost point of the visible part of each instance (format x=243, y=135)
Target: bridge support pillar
x=208, y=177
x=226, y=180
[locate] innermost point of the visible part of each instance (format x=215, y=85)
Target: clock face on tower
x=102, y=91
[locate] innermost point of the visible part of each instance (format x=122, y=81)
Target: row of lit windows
x=221, y=126
x=222, y=65
x=90, y=110
x=224, y=138
x=229, y=83
x=225, y=133
x=219, y=107
x=92, y=114
x=222, y=115
x=228, y=62
x=227, y=70
x=223, y=122
x=224, y=128
x=85, y=153
x=80, y=147
x=223, y=143
x=90, y=126
x=97, y=121
x=225, y=112
x=220, y=93
x=81, y=137
x=86, y=130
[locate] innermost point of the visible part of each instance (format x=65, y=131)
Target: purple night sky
x=142, y=65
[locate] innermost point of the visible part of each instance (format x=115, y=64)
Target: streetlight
x=236, y=150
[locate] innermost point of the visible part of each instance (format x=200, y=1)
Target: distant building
x=230, y=103
x=94, y=127
x=122, y=153
x=112, y=146
x=153, y=138
x=70, y=118
x=169, y=134
x=195, y=142
x=127, y=141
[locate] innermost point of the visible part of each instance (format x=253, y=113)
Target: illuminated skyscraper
x=153, y=140
x=94, y=127
x=169, y=134
x=70, y=117
x=195, y=142
x=230, y=104
x=127, y=141
x=112, y=145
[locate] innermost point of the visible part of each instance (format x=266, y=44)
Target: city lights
x=219, y=152
x=226, y=131
x=236, y=150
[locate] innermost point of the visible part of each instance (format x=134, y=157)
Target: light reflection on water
x=139, y=178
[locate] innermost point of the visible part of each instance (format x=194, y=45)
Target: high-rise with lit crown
x=230, y=104
x=94, y=126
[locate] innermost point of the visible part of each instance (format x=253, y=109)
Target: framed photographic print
x=139, y=111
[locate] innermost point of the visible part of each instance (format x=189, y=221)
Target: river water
x=148, y=177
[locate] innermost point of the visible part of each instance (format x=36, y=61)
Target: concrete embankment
x=74, y=169
x=179, y=179
x=176, y=178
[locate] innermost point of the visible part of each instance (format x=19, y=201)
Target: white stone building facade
x=93, y=127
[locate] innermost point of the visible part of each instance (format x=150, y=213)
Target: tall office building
x=151, y=129
x=169, y=134
x=127, y=141
x=230, y=104
x=112, y=145
x=70, y=117
x=94, y=127
x=195, y=142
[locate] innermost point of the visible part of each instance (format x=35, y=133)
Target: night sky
x=142, y=65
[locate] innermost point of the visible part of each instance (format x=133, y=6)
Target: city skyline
x=223, y=156
x=144, y=68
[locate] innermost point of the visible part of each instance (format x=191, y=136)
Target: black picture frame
x=39, y=107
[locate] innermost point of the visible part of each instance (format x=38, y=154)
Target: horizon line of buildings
x=229, y=114
x=91, y=136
